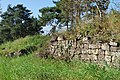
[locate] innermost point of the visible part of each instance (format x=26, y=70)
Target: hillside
x=29, y=44
x=35, y=68
x=66, y=40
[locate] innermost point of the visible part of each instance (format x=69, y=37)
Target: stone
x=96, y=62
x=84, y=57
x=96, y=51
x=92, y=51
x=113, y=43
x=78, y=37
x=60, y=38
x=107, y=52
x=98, y=45
x=72, y=52
x=54, y=43
x=71, y=42
x=75, y=57
x=86, y=46
x=76, y=50
x=99, y=42
x=66, y=42
x=81, y=46
x=12, y=54
x=59, y=54
x=78, y=44
x=105, y=46
x=84, y=51
x=63, y=42
x=116, y=62
x=101, y=57
x=101, y=51
x=108, y=58
x=92, y=46
x=118, y=49
x=53, y=39
x=89, y=51
x=109, y=63
x=113, y=58
x=74, y=46
x=114, y=53
x=85, y=40
x=117, y=65
x=113, y=48
x=80, y=51
x=93, y=57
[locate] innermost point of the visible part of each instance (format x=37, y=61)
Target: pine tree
x=19, y=23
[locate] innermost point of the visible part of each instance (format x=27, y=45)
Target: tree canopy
x=17, y=22
x=69, y=13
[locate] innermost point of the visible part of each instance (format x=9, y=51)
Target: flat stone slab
x=108, y=58
x=115, y=44
x=101, y=57
x=105, y=46
x=92, y=46
x=112, y=48
x=93, y=57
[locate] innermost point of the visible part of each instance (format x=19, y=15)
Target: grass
x=32, y=68
x=37, y=41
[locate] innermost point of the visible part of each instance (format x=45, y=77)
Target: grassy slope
x=32, y=68
x=23, y=43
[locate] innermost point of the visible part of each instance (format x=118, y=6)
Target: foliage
x=50, y=16
x=17, y=22
x=105, y=30
x=73, y=11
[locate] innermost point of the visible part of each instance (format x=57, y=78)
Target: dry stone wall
x=82, y=49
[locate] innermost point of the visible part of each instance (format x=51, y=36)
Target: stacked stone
x=99, y=53
x=115, y=53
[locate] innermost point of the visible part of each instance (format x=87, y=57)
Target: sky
x=33, y=5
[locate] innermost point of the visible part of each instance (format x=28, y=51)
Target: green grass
x=37, y=41
x=32, y=68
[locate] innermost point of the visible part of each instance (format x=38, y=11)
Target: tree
x=95, y=7
x=55, y=17
x=50, y=16
x=70, y=13
x=19, y=23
